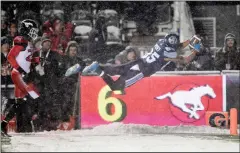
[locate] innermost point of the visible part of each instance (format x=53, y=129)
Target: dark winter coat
x=69, y=84
x=49, y=102
x=3, y=59
x=68, y=62
x=203, y=61
x=51, y=68
x=228, y=56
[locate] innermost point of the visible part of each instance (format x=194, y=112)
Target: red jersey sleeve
x=19, y=44
x=13, y=54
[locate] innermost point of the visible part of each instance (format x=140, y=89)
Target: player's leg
x=14, y=110
x=23, y=116
x=9, y=116
x=132, y=73
x=114, y=84
x=22, y=86
x=133, y=77
x=106, y=71
x=122, y=70
x=137, y=72
x=118, y=69
x=20, y=91
x=95, y=67
x=124, y=81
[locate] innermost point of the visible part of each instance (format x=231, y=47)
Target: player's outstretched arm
x=194, y=44
x=184, y=44
x=190, y=57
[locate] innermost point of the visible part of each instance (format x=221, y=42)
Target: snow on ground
x=121, y=137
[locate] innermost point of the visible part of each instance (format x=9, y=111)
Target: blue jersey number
x=152, y=57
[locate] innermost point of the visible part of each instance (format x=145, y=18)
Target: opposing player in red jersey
x=20, y=58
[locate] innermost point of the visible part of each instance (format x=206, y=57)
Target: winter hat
x=129, y=49
x=4, y=40
x=70, y=44
x=132, y=49
x=230, y=36
x=45, y=39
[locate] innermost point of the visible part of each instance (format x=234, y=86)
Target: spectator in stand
x=12, y=31
x=6, y=67
x=146, y=16
x=4, y=30
x=69, y=84
x=228, y=57
x=98, y=37
x=110, y=61
x=132, y=53
x=48, y=74
x=118, y=59
x=129, y=54
x=59, y=32
x=5, y=48
x=101, y=46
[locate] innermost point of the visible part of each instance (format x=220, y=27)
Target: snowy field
x=118, y=137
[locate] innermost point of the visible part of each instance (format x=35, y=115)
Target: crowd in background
x=78, y=33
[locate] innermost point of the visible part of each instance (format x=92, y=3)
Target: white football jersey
x=24, y=59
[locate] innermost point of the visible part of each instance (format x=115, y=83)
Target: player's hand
x=195, y=43
x=197, y=47
x=195, y=39
x=180, y=60
x=190, y=57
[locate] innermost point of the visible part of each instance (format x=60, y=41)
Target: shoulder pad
x=20, y=40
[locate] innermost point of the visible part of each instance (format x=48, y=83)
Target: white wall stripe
x=224, y=88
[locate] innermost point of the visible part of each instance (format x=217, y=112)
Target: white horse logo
x=28, y=24
x=193, y=97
